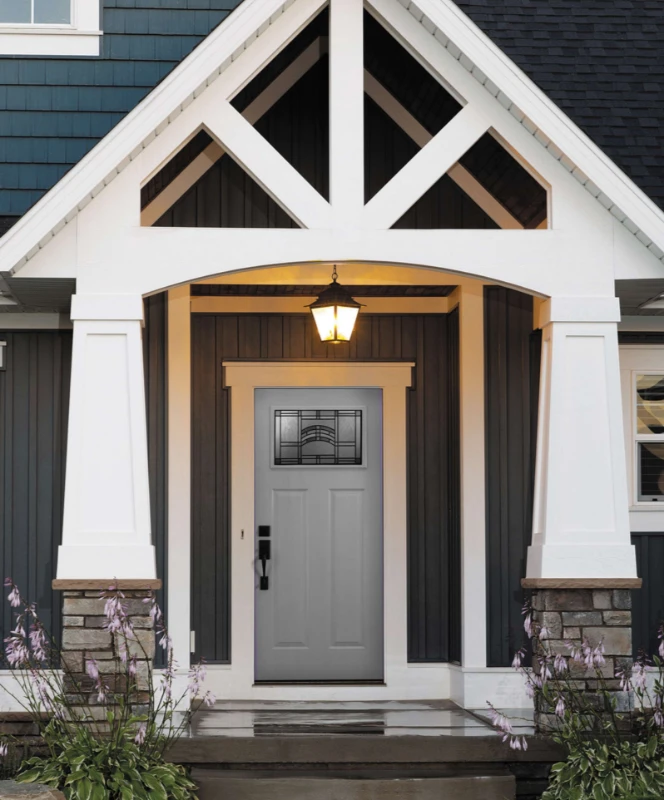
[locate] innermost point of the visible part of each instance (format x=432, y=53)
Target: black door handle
x=264, y=553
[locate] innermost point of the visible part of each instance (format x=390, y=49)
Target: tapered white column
x=473, y=518
x=106, y=528
x=580, y=520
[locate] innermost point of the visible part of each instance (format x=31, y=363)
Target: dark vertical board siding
x=648, y=602
x=510, y=405
x=34, y=405
x=155, y=353
x=454, y=498
x=432, y=460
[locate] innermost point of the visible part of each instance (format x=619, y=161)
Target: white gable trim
x=275, y=20
x=276, y=23
x=552, y=128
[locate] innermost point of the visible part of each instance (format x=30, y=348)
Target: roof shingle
x=601, y=62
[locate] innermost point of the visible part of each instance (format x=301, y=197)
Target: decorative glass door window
x=318, y=438
x=35, y=12
x=649, y=397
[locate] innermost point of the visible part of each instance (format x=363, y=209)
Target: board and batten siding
x=34, y=405
x=512, y=356
x=433, y=529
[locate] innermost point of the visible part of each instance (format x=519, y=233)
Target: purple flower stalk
x=4, y=749
x=518, y=743
x=92, y=669
x=140, y=735
x=14, y=596
x=38, y=641
x=639, y=676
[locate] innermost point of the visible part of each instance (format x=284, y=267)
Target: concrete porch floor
x=311, y=719
x=411, y=750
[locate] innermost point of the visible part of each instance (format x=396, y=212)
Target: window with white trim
x=642, y=381
x=649, y=436
x=50, y=27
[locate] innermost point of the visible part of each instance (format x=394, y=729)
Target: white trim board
x=79, y=38
x=393, y=378
x=263, y=23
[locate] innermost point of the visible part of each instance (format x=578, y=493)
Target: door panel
x=319, y=488
x=290, y=591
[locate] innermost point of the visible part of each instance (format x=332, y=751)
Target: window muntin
x=649, y=436
x=35, y=12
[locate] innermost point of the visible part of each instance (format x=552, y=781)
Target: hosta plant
x=611, y=754
x=106, y=733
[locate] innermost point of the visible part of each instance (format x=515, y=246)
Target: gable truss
x=274, y=25
x=281, y=84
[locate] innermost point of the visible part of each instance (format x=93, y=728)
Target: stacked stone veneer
x=575, y=615
x=84, y=637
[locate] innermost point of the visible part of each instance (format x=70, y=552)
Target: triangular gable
x=263, y=27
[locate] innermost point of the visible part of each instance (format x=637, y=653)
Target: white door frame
x=236, y=680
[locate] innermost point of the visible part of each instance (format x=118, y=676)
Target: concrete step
x=386, y=785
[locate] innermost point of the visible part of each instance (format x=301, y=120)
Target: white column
x=346, y=110
x=179, y=473
x=106, y=528
x=580, y=519
x=473, y=522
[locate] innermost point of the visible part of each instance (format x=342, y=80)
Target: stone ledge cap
x=581, y=583
x=104, y=584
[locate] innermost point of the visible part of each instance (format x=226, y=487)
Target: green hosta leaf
x=84, y=789
x=139, y=790
x=98, y=792
x=609, y=784
x=30, y=776
x=598, y=792
x=652, y=746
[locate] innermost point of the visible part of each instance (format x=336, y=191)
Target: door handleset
x=264, y=555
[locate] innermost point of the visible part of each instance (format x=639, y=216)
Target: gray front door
x=319, y=616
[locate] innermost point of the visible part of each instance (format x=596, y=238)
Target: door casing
x=242, y=378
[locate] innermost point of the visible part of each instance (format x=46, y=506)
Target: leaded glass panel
x=318, y=437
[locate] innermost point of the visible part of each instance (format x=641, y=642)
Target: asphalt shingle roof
x=601, y=62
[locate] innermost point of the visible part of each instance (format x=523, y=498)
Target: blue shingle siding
x=54, y=110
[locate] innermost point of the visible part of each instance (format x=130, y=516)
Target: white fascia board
x=546, y=115
x=225, y=44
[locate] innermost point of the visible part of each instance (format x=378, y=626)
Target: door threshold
x=320, y=683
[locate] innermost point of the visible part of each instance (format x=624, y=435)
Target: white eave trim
x=133, y=133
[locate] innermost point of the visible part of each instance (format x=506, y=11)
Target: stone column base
x=84, y=637
x=593, y=613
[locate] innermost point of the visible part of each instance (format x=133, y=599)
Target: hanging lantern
x=335, y=312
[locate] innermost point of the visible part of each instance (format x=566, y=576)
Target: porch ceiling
x=634, y=293
x=36, y=294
